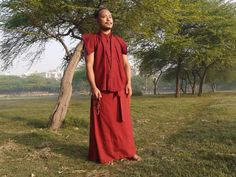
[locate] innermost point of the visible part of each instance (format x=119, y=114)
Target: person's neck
x=105, y=32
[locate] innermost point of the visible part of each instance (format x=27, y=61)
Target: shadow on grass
x=31, y=122
x=204, y=146
x=34, y=139
x=12, y=118
x=35, y=123
x=39, y=123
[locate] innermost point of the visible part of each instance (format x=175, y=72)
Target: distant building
x=56, y=74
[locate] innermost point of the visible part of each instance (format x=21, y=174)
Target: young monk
x=109, y=75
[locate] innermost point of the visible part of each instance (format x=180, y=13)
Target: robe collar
x=105, y=35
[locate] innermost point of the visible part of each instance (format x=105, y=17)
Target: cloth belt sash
x=121, y=103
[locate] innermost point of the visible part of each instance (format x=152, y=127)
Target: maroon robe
x=111, y=136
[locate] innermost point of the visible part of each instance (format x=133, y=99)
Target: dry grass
x=189, y=136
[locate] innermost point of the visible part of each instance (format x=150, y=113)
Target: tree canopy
x=191, y=36
x=204, y=37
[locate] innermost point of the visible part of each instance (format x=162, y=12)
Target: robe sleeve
x=123, y=46
x=88, y=43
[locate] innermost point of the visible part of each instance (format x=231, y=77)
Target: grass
x=190, y=136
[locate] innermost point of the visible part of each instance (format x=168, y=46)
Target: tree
x=204, y=37
x=192, y=79
x=215, y=40
x=221, y=76
x=28, y=25
x=153, y=62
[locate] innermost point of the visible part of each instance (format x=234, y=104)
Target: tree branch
x=49, y=33
x=56, y=37
x=74, y=35
x=63, y=34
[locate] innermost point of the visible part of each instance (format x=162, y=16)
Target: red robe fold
x=111, y=136
x=108, y=63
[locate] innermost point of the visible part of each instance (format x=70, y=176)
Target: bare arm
x=91, y=77
x=128, y=88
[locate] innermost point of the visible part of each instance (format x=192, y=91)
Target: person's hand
x=128, y=89
x=96, y=93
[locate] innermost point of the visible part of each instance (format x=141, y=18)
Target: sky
x=50, y=60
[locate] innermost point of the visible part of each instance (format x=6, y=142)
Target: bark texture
x=202, y=80
x=59, y=112
x=178, y=70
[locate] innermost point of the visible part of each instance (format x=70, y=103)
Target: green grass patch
x=190, y=136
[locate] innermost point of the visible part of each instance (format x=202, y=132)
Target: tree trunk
x=177, y=88
x=146, y=89
x=156, y=81
x=155, y=86
x=194, y=84
x=193, y=88
x=59, y=112
x=202, y=80
x=184, y=85
x=213, y=87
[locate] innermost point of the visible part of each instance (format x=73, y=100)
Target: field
x=189, y=137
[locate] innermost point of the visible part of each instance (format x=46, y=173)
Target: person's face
x=105, y=20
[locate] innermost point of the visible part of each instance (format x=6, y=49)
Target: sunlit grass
x=190, y=136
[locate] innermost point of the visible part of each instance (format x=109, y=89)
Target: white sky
x=51, y=59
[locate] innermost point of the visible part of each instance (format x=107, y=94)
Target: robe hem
x=114, y=159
